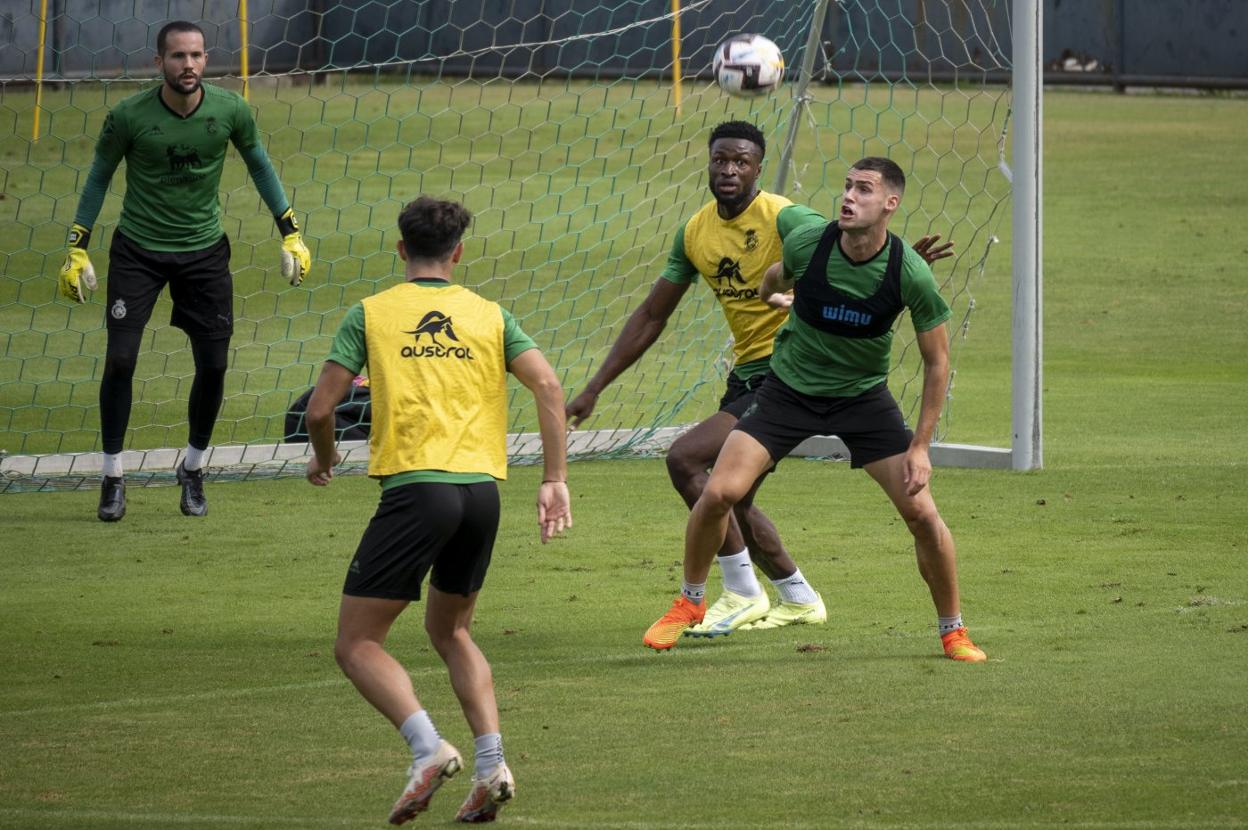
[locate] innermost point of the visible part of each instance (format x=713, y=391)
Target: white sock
x=420, y=734
x=194, y=458
x=489, y=754
x=738, y=573
x=948, y=624
x=112, y=464
x=695, y=593
x=795, y=588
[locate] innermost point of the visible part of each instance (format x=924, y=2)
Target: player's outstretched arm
x=642, y=328
x=934, y=349
x=554, y=506
x=927, y=248
x=331, y=387
x=296, y=258
x=77, y=270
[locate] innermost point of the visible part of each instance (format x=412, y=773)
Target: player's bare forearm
x=533, y=370
x=640, y=331
x=554, y=509
x=331, y=387
x=552, y=424
x=774, y=289
x=934, y=349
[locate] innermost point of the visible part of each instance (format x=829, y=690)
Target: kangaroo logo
x=729, y=269
x=182, y=156
x=433, y=324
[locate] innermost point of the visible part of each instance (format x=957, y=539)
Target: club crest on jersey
x=210, y=126
x=118, y=310
x=182, y=157
x=433, y=324
x=751, y=239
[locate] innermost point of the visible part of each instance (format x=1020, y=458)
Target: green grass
x=167, y=668
x=170, y=672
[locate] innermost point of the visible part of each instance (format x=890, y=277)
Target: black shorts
x=870, y=424
x=739, y=394
x=199, y=283
x=447, y=527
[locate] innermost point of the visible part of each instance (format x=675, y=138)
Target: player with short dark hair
x=850, y=280
x=728, y=243
x=438, y=355
x=173, y=139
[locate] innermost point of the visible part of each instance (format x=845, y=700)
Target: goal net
x=577, y=137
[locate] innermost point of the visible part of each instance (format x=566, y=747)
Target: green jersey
x=818, y=363
x=350, y=351
x=173, y=168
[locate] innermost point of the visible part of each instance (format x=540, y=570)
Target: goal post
x=560, y=131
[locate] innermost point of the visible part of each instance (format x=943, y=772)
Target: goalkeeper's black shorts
x=449, y=528
x=199, y=283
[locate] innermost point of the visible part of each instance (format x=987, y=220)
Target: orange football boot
x=668, y=628
x=958, y=646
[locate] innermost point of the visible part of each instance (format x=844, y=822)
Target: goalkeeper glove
x=296, y=258
x=77, y=269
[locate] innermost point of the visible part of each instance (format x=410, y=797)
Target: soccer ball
x=748, y=65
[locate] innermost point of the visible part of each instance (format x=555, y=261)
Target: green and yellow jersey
x=819, y=363
x=732, y=255
x=173, y=168
x=437, y=355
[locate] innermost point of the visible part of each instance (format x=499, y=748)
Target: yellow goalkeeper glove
x=296, y=258
x=77, y=269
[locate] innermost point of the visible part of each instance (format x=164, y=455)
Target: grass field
x=166, y=672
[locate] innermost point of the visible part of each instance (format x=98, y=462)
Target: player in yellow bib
x=437, y=357
x=729, y=244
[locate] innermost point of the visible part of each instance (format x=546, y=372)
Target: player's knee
x=446, y=638
x=119, y=364
x=718, y=500
x=346, y=653
x=682, y=464
x=212, y=357
x=923, y=520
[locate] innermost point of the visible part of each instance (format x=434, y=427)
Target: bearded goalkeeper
x=174, y=140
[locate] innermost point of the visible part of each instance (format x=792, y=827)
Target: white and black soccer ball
x=748, y=65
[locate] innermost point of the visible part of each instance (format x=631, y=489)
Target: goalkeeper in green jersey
x=174, y=140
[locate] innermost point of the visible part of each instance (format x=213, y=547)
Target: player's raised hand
x=580, y=407
x=927, y=248
x=77, y=270
x=554, y=509
x=296, y=258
